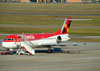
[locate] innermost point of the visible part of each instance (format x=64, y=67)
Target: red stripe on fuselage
x=39, y=36
x=30, y=36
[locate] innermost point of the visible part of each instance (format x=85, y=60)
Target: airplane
x=30, y=41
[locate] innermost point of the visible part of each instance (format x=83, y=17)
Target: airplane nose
x=9, y=45
x=3, y=44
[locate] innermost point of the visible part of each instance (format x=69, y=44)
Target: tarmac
x=49, y=14
x=47, y=26
x=85, y=56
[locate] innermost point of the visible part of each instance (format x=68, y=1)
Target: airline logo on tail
x=65, y=27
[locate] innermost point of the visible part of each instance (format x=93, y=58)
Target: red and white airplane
x=29, y=41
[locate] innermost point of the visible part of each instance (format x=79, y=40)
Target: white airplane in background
x=30, y=41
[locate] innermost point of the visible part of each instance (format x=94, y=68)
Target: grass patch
x=73, y=31
x=79, y=31
x=94, y=22
x=84, y=40
x=47, y=20
x=20, y=30
x=29, y=20
x=49, y=8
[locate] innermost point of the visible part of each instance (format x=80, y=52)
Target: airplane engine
x=59, y=39
x=62, y=38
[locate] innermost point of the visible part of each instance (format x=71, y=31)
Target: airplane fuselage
x=12, y=41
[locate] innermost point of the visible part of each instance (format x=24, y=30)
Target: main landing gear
x=50, y=50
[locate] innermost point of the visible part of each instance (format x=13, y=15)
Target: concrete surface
x=87, y=60
x=47, y=26
x=49, y=14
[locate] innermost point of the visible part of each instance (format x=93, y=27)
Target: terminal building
x=62, y=1
x=54, y=1
x=47, y=1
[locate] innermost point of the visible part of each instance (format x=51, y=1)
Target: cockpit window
x=9, y=39
x=5, y=39
x=13, y=39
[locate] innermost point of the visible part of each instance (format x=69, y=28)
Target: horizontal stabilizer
x=72, y=19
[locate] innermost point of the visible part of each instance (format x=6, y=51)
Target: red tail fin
x=66, y=26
